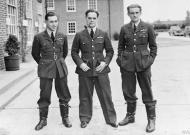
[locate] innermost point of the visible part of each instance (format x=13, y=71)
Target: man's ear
x=128, y=13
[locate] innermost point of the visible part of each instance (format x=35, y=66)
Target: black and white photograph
x=94, y=67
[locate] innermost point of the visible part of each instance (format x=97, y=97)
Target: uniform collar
x=89, y=29
x=49, y=32
x=137, y=23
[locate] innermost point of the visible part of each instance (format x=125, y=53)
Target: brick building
x=3, y=35
x=72, y=18
x=22, y=18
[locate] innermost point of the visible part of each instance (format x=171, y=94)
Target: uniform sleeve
x=121, y=44
x=152, y=41
x=108, y=48
x=36, y=49
x=75, y=51
x=65, y=47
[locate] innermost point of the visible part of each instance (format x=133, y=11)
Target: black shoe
x=41, y=124
x=113, y=125
x=67, y=122
x=151, y=125
x=84, y=124
x=130, y=118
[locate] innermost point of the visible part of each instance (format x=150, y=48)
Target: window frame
x=12, y=12
x=68, y=33
x=96, y=7
x=67, y=5
x=53, y=3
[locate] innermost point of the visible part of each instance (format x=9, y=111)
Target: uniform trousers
x=129, y=80
x=86, y=88
x=62, y=92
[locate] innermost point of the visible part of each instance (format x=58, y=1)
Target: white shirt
x=49, y=32
x=137, y=23
x=89, y=29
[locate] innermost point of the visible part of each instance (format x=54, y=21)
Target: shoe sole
x=126, y=123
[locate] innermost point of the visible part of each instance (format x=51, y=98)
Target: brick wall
x=116, y=15
x=3, y=34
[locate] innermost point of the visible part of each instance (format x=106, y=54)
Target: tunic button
x=92, y=40
x=134, y=39
x=135, y=34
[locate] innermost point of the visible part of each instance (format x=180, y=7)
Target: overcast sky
x=163, y=10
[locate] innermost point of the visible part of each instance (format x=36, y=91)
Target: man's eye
x=134, y=12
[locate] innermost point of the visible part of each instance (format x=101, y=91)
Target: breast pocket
x=46, y=46
x=59, y=44
x=127, y=37
x=100, y=40
x=143, y=38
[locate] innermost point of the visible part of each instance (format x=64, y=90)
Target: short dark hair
x=49, y=14
x=91, y=10
x=134, y=6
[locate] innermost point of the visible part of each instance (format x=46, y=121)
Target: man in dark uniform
x=49, y=50
x=137, y=50
x=93, y=69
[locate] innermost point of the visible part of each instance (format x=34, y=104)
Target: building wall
x=38, y=16
x=117, y=15
x=107, y=23
x=3, y=34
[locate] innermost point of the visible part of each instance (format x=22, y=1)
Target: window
x=29, y=20
x=92, y=4
x=50, y=5
x=30, y=30
x=71, y=5
x=11, y=17
x=29, y=9
x=71, y=28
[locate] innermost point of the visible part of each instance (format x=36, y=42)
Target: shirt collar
x=49, y=32
x=137, y=23
x=89, y=29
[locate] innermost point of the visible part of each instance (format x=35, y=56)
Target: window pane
x=71, y=27
x=50, y=4
x=71, y=6
x=92, y=4
x=11, y=14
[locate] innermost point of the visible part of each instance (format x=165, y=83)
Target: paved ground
x=170, y=75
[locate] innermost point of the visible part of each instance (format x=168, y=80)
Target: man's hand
x=101, y=67
x=84, y=67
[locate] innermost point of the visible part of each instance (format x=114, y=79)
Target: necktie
x=91, y=33
x=52, y=36
x=135, y=27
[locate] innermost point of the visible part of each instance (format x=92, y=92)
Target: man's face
x=52, y=23
x=134, y=14
x=91, y=19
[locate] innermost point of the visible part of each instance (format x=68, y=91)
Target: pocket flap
x=145, y=52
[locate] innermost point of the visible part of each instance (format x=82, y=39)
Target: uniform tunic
x=90, y=51
x=136, y=53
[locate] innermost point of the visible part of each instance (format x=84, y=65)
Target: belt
x=53, y=56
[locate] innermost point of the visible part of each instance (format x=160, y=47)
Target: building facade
x=72, y=14
x=23, y=18
x=3, y=31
